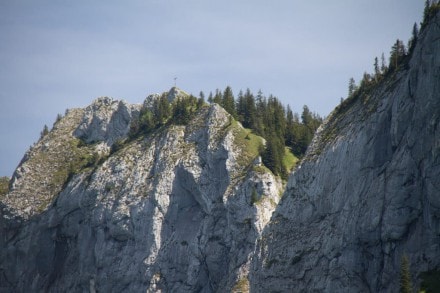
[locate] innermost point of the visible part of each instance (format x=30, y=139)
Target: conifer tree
x=218, y=97
x=273, y=155
x=228, y=102
x=366, y=80
x=306, y=116
x=426, y=12
x=44, y=132
x=290, y=125
x=250, y=111
x=201, y=100
x=405, y=276
x=162, y=110
x=261, y=109
x=181, y=111
x=351, y=86
x=376, y=69
x=398, y=51
x=278, y=117
x=59, y=117
x=383, y=66
x=147, y=122
x=415, y=35
x=240, y=106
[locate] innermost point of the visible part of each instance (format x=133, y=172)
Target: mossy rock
x=4, y=186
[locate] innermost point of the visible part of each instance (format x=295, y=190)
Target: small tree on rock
x=405, y=276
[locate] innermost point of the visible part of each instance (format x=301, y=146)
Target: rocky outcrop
x=106, y=121
x=44, y=168
x=178, y=210
x=367, y=193
x=188, y=208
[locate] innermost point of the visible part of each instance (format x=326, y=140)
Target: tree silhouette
x=351, y=86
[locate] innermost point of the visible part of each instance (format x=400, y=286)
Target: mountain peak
x=176, y=93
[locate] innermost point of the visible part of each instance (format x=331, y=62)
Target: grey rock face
x=172, y=212
x=106, y=120
x=367, y=193
x=187, y=209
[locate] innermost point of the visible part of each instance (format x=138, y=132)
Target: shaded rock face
x=367, y=193
x=170, y=212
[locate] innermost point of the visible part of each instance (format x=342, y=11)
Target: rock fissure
x=185, y=208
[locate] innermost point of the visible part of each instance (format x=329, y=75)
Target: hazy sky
x=58, y=54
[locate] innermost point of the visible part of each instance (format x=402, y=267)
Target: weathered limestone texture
x=173, y=211
x=189, y=208
x=367, y=192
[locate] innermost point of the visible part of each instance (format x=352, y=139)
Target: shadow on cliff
x=367, y=193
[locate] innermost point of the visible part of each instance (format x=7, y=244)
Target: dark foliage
x=268, y=117
x=4, y=185
x=163, y=112
x=431, y=9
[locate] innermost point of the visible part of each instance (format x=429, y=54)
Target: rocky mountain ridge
x=367, y=193
x=190, y=208
x=177, y=210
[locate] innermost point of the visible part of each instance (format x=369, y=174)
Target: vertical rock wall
x=367, y=193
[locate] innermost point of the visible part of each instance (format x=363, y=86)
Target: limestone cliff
x=367, y=193
x=188, y=208
x=178, y=210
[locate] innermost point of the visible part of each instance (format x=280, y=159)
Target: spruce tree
x=260, y=117
x=415, y=35
x=217, y=97
x=306, y=116
x=162, y=110
x=59, y=117
x=147, y=122
x=397, y=53
x=426, y=13
x=228, y=102
x=366, y=80
x=273, y=155
x=383, y=66
x=181, y=112
x=289, y=138
x=240, y=107
x=376, y=69
x=351, y=86
x=201, y=100
x=279, y=118
x=44, y=132
x=405, y=276
x=250, y=111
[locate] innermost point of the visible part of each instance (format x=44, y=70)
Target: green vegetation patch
x=163, y=113
x=241, y=286
x=255, y=197
x=289, y=159
x=74, y=158
x=4, y=186
x=249, y=143
x=430, y=281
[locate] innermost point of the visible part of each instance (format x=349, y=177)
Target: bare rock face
x=367, y=193
x=179, y=210
x=106, y=120
x=191, y=209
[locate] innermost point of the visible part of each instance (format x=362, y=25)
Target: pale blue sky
x=62, y=54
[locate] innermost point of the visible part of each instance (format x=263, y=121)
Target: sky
x=56, y=55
